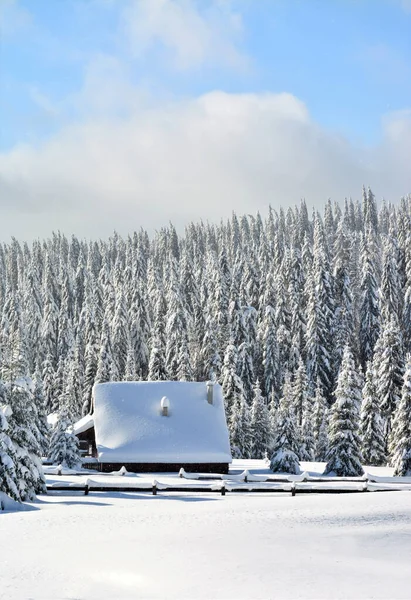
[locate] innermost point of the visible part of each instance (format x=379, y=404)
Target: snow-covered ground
x=118, y=545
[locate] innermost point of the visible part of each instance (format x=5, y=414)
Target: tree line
x=290, y=312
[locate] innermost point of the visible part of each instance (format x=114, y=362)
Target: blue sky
x=349, y=61
x=68, y=64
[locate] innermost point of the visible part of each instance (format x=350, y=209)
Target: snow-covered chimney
x=165, y=405
x=210, y=391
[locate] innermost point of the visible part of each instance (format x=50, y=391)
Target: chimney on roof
x=210, y=391
x=165, y=405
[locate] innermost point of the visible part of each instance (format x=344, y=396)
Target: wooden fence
x=155, y=487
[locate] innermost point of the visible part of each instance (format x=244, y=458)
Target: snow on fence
x=240, y=483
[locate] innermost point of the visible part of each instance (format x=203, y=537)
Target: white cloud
x=13, y=18
x=191, y=159
x=406, y=5
x=192, y=34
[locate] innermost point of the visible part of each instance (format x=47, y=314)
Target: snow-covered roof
x=83, y=424
x=130, y=427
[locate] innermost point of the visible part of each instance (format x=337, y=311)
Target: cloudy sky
x=117, y=114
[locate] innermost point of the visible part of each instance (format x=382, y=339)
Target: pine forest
x=304, y=319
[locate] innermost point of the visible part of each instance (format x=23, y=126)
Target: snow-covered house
x=157, y=426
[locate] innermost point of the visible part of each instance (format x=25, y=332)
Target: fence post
x=154, y=488
x=223, y=490
x=293, y=489
x=86, y=489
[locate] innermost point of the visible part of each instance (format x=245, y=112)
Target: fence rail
x=223, y=487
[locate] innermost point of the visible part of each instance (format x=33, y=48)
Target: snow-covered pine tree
x=320, y=315
x=239, y=425
x=390, y=295
x=184, y=369
x=389, y=368
x=157, y=364
x=64, y=445
x=260, y=424
x=42, y=430
x=307, y=445
x=406, y=311
x=299, y=394
x=105, y=357
x=320, y=425
x=344, y=456
x=401, y=432
x=29, y=470
x=246, y=370
x=130, y=372
x=48, y=376
x=282, y=315
x=285, y=448
x=91, y=341
x=120, y=333
x=22, y=420
x=369, y=314
x=231, y=382
x=270, y=355
x=343, y=326
x=8, y=459
x=371, y=426
x=210, y=358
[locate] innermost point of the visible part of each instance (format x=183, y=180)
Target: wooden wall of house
x=165, y=467
x=87, y=441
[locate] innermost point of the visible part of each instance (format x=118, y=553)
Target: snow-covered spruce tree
x=285, y=448
x=91, y=341
x=231, y=382
x=48, y=378
x=22, y=421
x=130, y=372
x=210, y=358
x=64, y=445
x=246, y=370
x=299, y=393
x=184, y=369
x=260, y=424
x=320, y=425
x=343, y=326
x=105, y=357
x=369, y=314
x=307, y=445
x=42, y=429
x=157, y=364
x=120, y=332
x=270, y=355
x=177, y=320
x=320, y=315
x=297, y=307
x=344, y=456
x=8, y=459
x=371, y=426
x=390, y=295
x=282, y=316
x=239, y=425
x=401, y=432
x=29, y=470
x=389, y=367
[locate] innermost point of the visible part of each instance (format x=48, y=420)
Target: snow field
x=115, y=546
x=120, y=546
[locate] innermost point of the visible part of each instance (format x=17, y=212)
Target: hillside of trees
x=304, y=319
